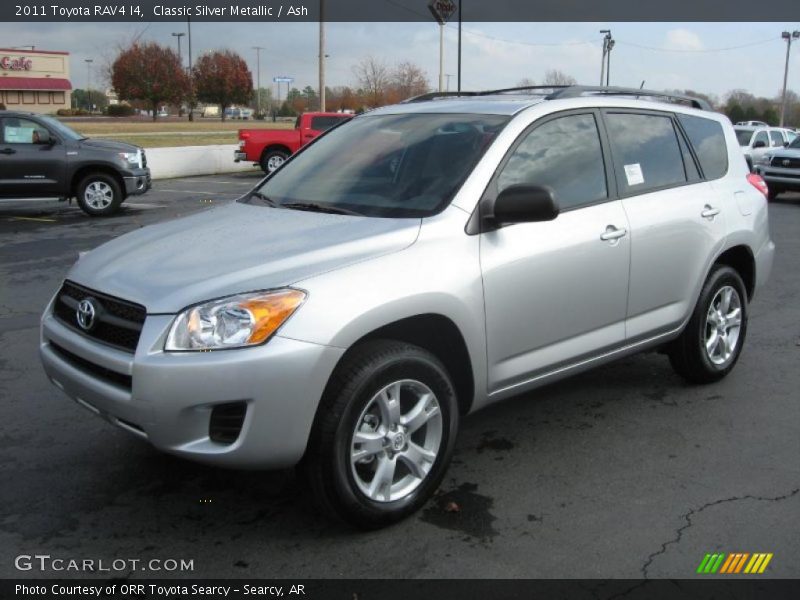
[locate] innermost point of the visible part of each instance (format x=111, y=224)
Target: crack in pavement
x=688, y=518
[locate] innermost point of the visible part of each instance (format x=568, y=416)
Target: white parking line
x=196, y=192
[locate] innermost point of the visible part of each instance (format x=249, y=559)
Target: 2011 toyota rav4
x=409, y=267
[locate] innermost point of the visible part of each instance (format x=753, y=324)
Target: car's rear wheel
x=272, y=160
x=709, y=347
x=384, y=435
x=99, y=195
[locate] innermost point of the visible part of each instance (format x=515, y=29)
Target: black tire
x=688, y=354
x=106, y=183
x=773, y=191
x=327, y=463
x=269, y=158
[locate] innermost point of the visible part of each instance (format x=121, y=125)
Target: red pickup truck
x=269, y=148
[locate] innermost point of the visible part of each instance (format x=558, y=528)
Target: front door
x=28, y=167
x=555, y=292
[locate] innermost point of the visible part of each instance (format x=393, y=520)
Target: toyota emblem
x=786, y=162
x=86, y=314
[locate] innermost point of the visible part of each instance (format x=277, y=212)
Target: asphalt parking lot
x=622, y=472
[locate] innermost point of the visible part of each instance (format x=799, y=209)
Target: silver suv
x=409, y=267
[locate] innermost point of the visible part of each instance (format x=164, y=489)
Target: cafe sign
x=16, y=64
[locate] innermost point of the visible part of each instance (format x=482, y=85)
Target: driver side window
x=564, y=154
x=21, y=131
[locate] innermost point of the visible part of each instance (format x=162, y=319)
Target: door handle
x=8, y=151
x=709, y=212
x=612, y=233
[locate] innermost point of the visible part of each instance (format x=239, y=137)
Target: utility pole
x=191, y=78
x=789, y=37
x=441, y=57
x=89, y=62
x=258, y=50
x=459, y=46
x=179, y=36
x=448, y=75
x=322, y=55
x=608, y=43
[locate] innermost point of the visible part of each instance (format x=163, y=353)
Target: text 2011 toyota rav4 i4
x=409, y=267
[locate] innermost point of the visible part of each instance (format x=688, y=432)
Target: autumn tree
x=222, y=78
x=373, y=77
x=149, y=73
x=408, y=80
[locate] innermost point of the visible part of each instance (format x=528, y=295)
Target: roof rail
x=576, y=91
x=434, y=95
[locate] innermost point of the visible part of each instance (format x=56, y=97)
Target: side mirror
x=523, y=203
x=42, y=136
x=786, y=144
x=760, y=144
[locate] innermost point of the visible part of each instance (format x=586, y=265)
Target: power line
x=699, y=51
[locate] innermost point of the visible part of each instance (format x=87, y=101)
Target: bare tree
x=373, y=77
x=556, y=77
x=526, y=82
x=408, y=79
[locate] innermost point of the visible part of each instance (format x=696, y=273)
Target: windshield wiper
x=263, y=199
x=314, y=207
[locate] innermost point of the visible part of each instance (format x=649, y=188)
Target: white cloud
x=683, y=39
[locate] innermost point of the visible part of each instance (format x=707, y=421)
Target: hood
x=786, y=153
x=113, y=145
x=233, y=249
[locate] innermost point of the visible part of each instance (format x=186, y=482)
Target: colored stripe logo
x=734, y=563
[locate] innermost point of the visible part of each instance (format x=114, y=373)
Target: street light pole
x=258, y=50
x=459, y=46
x=607, y=45
x=322, y=55
x=179, y=36
x=789, y=37
x=191, y=79
x=89, y=62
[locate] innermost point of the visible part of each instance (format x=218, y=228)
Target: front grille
x=144, y=158
x=117, y=323
x=107, y=375
x=226, y=422
x=777, y=161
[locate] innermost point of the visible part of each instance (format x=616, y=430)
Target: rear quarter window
x=324, y=123
x=708, y=140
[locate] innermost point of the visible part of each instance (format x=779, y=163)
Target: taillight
x=243, y=135
x=758, y=182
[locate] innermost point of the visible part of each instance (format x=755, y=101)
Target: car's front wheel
x=384, y=435
x=709, y=347
x=99, y=195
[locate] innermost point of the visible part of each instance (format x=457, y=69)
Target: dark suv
x=40, y=157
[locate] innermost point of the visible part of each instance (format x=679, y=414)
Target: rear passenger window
x=324, y=123
x=566, y=155
x=776, y=137
x=762, y=137
x=646, y=152
x=708, y=140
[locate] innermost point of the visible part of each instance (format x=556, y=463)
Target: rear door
x=676, y=218
x=555, y=292
x=29, y=169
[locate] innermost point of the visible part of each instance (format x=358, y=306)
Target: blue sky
x=708, y=57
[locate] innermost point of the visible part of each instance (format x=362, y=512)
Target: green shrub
x=119, y=110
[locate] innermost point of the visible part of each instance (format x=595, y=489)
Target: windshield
x=62, y=129
x=406, y=165
x=744, y=135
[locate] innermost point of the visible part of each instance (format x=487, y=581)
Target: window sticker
x=634, y=175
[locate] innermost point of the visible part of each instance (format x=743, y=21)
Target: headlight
x=134, y=159
x=233, y=322
x=764, y=159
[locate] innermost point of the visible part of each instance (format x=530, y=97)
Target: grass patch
x=166, y=141
x=122, y=127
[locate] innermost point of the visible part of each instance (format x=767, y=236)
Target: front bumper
x=785, y=178
x=137, y=181
x=169, y=397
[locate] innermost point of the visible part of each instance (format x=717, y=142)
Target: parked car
x=41, y=157
x=415, y=265
x=210, y=111
x=270, y=148
x=780, y=168
x=757, y=141
x=753, y=123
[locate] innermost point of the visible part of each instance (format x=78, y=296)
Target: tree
x=373, y=76
x=556, y=77
x=149, y=73
x=222, y=78
x=526, y=82
x=408, y=80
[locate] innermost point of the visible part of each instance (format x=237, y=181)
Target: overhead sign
x=16, y=64
x=283, y=79
x=442, y=10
